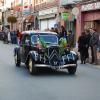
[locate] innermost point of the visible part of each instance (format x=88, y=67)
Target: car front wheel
x=32, y=68
x=72, y=70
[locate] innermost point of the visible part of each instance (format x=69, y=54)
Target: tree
x=11, y=20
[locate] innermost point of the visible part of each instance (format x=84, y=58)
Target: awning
x=30, y=18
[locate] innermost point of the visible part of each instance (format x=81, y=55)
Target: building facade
x=45, y=12
x=69, y=13
x=89, y=16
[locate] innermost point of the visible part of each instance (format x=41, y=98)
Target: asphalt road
x=18, y=84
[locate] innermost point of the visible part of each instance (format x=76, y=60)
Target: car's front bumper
x=55, y=67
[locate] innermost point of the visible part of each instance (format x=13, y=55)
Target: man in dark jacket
x=82, y=47
x=93, y=44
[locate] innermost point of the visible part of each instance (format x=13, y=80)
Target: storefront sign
x=26, y=7
x=48, y=11
x=66, y=2
x=92, y=6
x=65, y=16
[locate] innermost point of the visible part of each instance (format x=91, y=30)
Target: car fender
x=73, y=52
x=34, y=55
x=16, y=50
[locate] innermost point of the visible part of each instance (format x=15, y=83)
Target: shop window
x=88, y=25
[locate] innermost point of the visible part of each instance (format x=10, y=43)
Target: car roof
x=38, y=32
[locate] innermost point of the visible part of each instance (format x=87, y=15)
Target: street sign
x=65, y=15
x=75, y=11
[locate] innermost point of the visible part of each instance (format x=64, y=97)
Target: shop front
x=47, y=18
x=91, y=16
x=28, y=22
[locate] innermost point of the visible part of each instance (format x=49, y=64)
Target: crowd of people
x=11, y=36
x=88, y=39
x=63, y=33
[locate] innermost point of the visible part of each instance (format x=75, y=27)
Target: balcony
x=46, y=5
x=68, y=2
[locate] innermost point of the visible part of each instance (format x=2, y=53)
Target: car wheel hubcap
x=30, y=65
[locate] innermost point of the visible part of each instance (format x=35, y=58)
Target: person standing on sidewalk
x=88, y=36
x=93, y=44
x=82, y=47
x=99, y=44
x=9, y=37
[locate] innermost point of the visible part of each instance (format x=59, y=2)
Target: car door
x=24, y=46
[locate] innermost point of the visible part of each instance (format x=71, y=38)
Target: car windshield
x=50, y=39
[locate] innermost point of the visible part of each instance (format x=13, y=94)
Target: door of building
x=43, y=24
x=51, y=23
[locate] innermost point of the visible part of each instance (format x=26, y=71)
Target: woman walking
x=82, y=47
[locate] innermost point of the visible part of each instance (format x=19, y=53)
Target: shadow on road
x=44, y=72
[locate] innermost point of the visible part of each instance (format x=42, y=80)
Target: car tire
x=17, y=61
x=32, y=68
x=72, y=70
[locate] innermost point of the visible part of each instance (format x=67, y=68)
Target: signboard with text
x=92, y=6
x=65, y=15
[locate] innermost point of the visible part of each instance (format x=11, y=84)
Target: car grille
x=53, y=55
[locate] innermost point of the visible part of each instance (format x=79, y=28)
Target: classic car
x=39, y=49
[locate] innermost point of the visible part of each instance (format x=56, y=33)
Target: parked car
x=42, y=49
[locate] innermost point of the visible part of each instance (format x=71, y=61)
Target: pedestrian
x=70, y=38
x=9, y=37
x=56, y=30
x=88, y=36
x=99, y=44
x=18, y=36
x=52, y=29
x=5, y=37
x=93, y=44
x=63, y=32
x=82, y=47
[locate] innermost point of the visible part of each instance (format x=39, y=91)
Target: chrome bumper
x=55, y=67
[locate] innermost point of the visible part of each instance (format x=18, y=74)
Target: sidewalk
x=98, y=55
